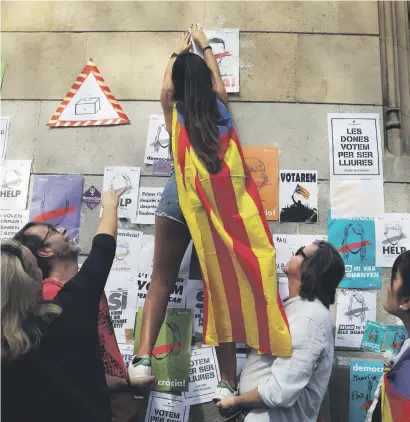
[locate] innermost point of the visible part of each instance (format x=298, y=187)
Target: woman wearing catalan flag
x=212, y=199
x=392, y=397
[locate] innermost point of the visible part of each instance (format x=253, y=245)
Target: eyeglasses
x=301, y=253
x=51, y=230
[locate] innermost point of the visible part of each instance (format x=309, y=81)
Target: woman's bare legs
x=171, y=242
x=226, y=353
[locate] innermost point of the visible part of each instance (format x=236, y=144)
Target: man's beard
x=68, y=250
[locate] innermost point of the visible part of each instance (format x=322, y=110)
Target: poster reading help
x=392, y=237
x=57, y=200
x=203, y=376
x=14, y=179
x=225, y=46
x=355, y=146
x=364, y=377
x=354, y=309
x=166, y=408
x=158, y=140
x=128, y=178
x=298, y=196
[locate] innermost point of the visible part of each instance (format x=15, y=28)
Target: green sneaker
x=223, y=390
x=140, y=371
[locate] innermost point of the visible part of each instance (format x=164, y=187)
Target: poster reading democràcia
x=57, y=200
x=355, y=240
x=127, y=251
x=355, y=150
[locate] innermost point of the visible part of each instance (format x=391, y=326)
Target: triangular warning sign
x=89, y=102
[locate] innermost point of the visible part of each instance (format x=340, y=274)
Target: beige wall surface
x=298, y=62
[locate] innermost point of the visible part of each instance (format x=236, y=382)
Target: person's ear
x=405, y=306
x=45, y=252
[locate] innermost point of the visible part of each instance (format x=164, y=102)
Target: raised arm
x=184, y=44
x=201, y=40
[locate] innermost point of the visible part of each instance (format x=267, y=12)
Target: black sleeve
x=84, y=290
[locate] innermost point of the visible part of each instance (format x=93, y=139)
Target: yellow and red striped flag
x=228, y=226
x=302, y=191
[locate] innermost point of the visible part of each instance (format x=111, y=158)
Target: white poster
x=204, y=376
x=116, y=178
x=356, y=198
x=11, y=222
x=127, y=352
x=14, y=179
x=392, y=237
x=355, y=150
x=158, y=140
x=127, y=252
x=122, y=295
x=286, y=245
x=4, y=136
x=148, y=200
x=298, y=196
x=195, y=301
x=354, y=309
x=163, y=407
x=225, y=46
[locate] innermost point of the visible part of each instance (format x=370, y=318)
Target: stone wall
x=299, y=61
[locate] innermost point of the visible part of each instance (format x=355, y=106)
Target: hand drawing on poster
x=298, y=196
x=354, y=309
x=158, y=140
x=204, y=376
x=11, y=222
x=355, y=146
x=263, y=164
x=364, y=377
x=166, y=408
x=117, y=178
x=14, y=179
x=172, y=351
x=225, y=46
x=392, y=237
x=57, y=201
x=354, y=238
x=148, y=200
x=4, y=136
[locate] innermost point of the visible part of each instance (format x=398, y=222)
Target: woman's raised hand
x=199, y=37
x=184, y=43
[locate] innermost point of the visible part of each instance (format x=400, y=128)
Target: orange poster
x=263, y=163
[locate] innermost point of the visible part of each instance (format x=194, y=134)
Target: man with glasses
x=292, y=389
x=57, y=257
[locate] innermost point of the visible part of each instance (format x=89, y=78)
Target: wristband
x=174, y=55
x=206, y=48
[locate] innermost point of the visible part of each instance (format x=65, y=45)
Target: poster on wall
x=127, y=353
x=127, y=252
x=148, y=200
x=4, y=136
x=373, y=336
x=11, y=222
x=172, y=350
x=354, y=309
x=158, y=140
x=225, y=46
x=392, y=237
x=14, y=179
x=116, y=178
x=89, y=102
x=364, y=377
x=263, y=164
x=122, y=296
x=204, y=376
x=57, y=200
x=356, y=198
x=286, y=245
x=355, y=146
x=195, y=301
x=298, y=196
x=164, y=407
x=395, y=337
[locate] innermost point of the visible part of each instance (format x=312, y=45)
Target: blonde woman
x=52, y=368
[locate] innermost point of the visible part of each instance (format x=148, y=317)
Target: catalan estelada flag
x=395, y=393
x=302, y=191
x=228, y=226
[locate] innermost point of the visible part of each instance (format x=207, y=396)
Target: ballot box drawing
x=88, y=106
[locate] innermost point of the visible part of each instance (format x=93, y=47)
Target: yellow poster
x=263, y=163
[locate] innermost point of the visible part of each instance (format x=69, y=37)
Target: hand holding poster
x=166, y=408
x=14, y=180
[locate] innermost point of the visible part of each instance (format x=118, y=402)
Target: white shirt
x=293, y=388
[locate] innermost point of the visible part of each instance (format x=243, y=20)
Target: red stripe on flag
x=229, y=277
x=225, y=198
x=53, y=214
x=183, y=146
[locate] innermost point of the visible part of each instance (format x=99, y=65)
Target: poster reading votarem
x=355, y=146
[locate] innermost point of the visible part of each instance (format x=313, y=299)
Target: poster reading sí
x=364, y=377
x=354, y=146
x=172, y=350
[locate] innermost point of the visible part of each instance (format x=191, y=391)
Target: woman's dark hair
x=197, y=102
x=321, y=274
x=402, y=266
